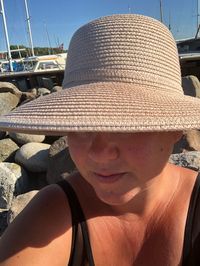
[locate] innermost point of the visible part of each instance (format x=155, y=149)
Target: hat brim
x=105, y=106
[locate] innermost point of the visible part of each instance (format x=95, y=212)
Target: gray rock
x=16, y=169
x=8, y=102
x=59, y=162
x=190, y=141
x=56, y=89
x=43, y=91
x=33, y=91
x=9, y=87
x=191, y=86
x=7, y=187
x=27, y=97
x=18, y=204
x=33, y=156
x=193, y=139
x=22, y=183
x=190, y=159
x=181, y=145
x=8, y=149
x=21, y=138
x=57, y=146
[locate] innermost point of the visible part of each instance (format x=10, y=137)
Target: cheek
x=78, y=151
x=138, y=151
x=147, y=153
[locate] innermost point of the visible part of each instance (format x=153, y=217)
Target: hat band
x=75, y=78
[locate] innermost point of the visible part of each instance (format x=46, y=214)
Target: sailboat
x=189, y=51
x=6, y=35
x=35, y=68
x=38, y=63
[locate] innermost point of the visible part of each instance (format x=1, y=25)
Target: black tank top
x=81, y=252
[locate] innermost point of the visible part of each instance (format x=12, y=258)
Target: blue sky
x=62, y=17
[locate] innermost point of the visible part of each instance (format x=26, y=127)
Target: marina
x=33, y=71
x=48, y=70
x=42, y=71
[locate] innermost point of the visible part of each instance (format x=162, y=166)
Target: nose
x=103, y=148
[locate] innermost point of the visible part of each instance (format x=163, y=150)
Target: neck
x=155, y=196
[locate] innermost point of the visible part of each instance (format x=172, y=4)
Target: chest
x=136, y=245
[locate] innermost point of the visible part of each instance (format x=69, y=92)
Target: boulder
x=8, y=149
x=59, y=161
x=18, y=204
x=22, y=183
x=33, y=156
x=8, y=102
x=9, y=87
x=191, y=86
x=193, y=139
x=56, y=89
x=190, y=159
x=7, y=187
x=27, y=97
x=43, y=91
x=190, y=141
x=33, y=91
x=22, y=138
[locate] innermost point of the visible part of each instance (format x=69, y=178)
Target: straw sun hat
x=122, y=75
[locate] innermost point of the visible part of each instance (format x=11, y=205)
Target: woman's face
x=120, y=165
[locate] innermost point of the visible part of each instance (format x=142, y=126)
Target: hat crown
x=122, y=75
x=124, y=48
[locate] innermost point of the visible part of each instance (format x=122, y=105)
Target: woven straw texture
x=122, y=75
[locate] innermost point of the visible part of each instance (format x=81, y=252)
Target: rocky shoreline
x=30, y=162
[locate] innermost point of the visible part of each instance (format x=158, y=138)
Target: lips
x=108, y=177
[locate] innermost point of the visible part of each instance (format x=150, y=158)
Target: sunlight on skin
x=113, y=163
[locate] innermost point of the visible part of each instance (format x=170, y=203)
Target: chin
x=116, y=199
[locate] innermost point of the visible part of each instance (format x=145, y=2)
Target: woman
x=122, y=109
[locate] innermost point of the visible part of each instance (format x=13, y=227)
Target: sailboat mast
x=6, y=35
x=161, y=11
x=50, y=49
x=169, y=27
x=29, y=27
x=197, y=14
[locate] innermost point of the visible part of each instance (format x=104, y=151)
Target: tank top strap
x=191, y=245
x=81, y=247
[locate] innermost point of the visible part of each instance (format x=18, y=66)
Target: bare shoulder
x=186, y=175
x=187, y=179
x=40, y=232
